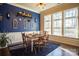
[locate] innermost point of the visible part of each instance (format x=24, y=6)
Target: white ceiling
x=34, y=7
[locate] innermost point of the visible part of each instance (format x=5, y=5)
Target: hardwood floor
x=61, y=52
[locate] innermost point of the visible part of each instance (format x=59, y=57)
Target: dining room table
x=33, y=38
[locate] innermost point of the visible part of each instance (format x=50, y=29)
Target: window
x=70, y=22
x=57, y=23
x=47, y=23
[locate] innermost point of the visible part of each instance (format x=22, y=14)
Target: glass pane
x=47, y=23
x=71, y=12
x=70, y=23
x=57, y=32
x=70, y=32
x=57, y=23
x=57, y=15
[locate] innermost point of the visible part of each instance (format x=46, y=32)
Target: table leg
x=31, y=45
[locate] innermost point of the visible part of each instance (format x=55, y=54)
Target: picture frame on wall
x=35, y=20
x=15, y=23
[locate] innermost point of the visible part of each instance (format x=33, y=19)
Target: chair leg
x=25, y=48
x=39, y=48
x=35, y=51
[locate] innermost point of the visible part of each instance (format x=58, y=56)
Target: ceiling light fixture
x=41, y=5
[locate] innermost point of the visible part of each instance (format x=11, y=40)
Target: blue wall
x=6, y=25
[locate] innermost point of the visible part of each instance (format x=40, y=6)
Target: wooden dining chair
x=46, y=39
x=24, y=40
x=28, y=39
x=38, y=44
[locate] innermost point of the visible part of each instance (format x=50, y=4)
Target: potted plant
x=4, y=40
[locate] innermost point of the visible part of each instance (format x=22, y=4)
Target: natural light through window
x=47, y=23
x=63, y=23
x=57, y=23
x=70, y=22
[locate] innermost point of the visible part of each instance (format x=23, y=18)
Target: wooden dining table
x=32, y=43
x=33, y=38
